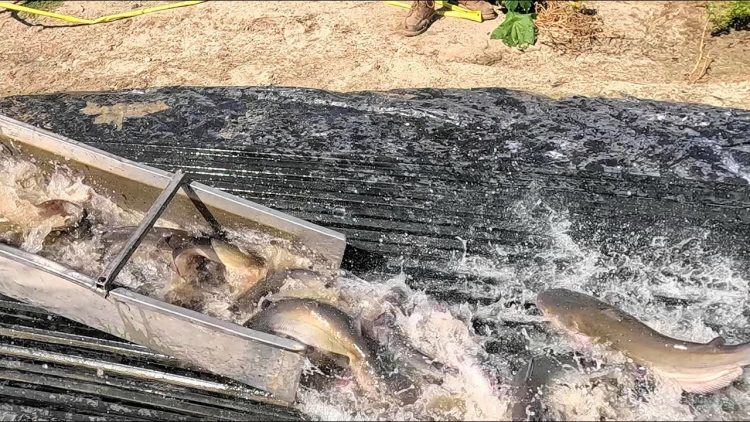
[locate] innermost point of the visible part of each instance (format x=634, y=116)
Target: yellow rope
x=103, y=19
x=445, y=9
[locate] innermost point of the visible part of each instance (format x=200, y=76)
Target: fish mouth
x=540, y=302
x=552, y=300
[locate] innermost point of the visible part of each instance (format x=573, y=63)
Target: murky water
x=674, y=283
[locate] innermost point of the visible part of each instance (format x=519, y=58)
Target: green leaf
x=517, y=30
x=729, y=14
x=513, y=5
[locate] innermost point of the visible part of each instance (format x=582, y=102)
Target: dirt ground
x=646, y=50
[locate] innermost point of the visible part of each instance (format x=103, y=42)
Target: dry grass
x=692, y=77
x=567, y=26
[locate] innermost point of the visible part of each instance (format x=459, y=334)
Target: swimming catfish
x=385, y=331
x=162, y=238
x=242, y=271
x=695, y=367
x=56, y=216
x=330, y=330
x=60, y=214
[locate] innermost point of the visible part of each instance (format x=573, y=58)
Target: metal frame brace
x=104, y=283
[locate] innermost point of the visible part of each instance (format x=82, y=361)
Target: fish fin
x=718, y=341
x=612, y=313
x=357, y=323
x=667, y=387
x=173, y=267
x=709, y=386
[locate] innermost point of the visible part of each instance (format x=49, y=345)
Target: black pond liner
x=416, y=179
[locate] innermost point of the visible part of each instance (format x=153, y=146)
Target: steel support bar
x=104, y=282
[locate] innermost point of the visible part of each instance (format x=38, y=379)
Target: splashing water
x=675, y=284
x=679, y=287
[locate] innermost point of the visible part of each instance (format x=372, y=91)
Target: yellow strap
x=103, y=19
x=446, y=9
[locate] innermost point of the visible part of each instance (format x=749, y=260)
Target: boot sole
x=413, y=33
x=408, y=33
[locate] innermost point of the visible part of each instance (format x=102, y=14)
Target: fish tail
x=396, y=386
x=403, y=387
x=364, y=374
x=742, y=351
x=232, y=257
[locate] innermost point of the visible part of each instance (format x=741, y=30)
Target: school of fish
x=358, y=343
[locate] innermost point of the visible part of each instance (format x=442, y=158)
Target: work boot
x=419, y=17
x=488, y=12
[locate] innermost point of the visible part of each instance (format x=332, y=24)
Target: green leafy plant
x=724, y=15
x=46, y=5
x=518, y=28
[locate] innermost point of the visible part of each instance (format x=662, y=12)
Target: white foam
x=713, y=292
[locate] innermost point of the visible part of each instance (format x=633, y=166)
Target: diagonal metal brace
x=105, y=280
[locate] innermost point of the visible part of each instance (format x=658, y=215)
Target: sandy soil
x=646, y=50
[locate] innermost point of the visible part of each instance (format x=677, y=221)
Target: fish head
x=187, y=254
x=565, y=308
x=242, y=270
x=69, y=214
x=387, y=319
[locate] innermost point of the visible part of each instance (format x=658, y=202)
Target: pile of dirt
x=641, y=49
